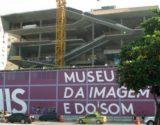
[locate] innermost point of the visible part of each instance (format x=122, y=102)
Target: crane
x=60, y=33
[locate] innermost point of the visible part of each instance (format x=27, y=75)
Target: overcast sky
x=15, y=6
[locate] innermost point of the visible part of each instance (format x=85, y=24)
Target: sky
x=16, y=6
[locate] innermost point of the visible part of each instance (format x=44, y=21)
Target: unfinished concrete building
x=92, y=38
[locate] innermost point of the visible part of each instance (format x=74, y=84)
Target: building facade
x=92, y=38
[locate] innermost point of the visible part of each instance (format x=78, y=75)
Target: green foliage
x=152, y=24
x=140, y=60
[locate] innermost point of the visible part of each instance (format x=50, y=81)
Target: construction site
x=71, y=56
x=89, y=38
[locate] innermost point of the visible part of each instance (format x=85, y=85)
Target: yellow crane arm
x=60, y=33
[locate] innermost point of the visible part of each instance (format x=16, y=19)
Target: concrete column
x=40, y=23
x=93, y=54
x=144, y=18
x=20, y=51
x=121, y=45
x=39, y=52
x=40, y=36
x=121, y=21
x=21, y=25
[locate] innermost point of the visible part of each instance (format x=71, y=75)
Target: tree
x=140, y=61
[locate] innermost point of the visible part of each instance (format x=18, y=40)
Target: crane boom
x=60, y=33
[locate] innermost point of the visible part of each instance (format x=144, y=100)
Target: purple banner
x=43, y=77
x=43, y=92
x=16, y=78
x=71, y=92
